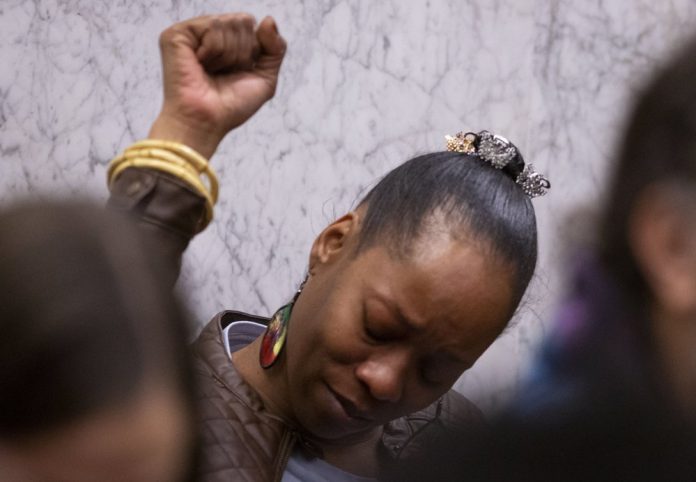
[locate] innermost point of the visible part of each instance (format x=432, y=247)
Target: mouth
x=350, y=409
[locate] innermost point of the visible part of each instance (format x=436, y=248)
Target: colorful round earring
x=276, y=332
x=273, y=339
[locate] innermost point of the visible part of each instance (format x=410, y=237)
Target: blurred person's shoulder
x=452, y=415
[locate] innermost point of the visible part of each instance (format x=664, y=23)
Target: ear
x=334, y=241
x=663, y=240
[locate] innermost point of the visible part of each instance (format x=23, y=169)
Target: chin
x=337, y=434
x=325, y=419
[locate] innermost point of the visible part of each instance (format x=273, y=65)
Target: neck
x=270, y=383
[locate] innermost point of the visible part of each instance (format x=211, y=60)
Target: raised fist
x=217, y=72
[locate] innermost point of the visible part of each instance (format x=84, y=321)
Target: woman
x=94, y=377
x=354, y=374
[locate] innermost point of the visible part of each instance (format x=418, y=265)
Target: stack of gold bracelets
x=173, y=158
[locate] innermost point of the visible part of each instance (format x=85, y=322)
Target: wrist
x=169, y=128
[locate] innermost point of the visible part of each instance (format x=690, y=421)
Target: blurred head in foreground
x=647, y=235
x=94, y=377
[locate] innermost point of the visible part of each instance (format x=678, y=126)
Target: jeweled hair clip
x=499, y=152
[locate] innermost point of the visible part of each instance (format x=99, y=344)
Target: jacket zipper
x=287, y=443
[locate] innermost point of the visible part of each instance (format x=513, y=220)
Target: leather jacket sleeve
x=169, y=211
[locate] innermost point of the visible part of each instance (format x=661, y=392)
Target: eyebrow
x=395, y=311
x=448, y=355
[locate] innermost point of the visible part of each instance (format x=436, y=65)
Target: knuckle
x=237, y=21
x=166, y=36
x=216, y=23
x=246, y=19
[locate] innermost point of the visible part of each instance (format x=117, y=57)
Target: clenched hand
x=217, y=72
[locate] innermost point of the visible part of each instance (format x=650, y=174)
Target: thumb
x=272, y=44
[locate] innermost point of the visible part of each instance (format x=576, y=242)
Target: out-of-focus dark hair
x=85, y=316
x=658, y=147
x=635, y=449
x=475, y=199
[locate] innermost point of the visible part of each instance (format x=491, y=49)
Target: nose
x=384, y=376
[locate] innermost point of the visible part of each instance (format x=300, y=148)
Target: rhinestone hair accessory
x=499, y=152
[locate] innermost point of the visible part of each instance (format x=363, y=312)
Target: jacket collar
x=210, y=349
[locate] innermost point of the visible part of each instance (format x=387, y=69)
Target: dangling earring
x=274, y=338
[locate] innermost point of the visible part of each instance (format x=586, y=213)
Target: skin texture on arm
x=217, y=72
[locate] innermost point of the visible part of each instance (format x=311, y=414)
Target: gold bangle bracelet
x=173, y=158
x=161, y=154
x=164, y=166
x=157, y=154
x=199, y=162
x=175, y=170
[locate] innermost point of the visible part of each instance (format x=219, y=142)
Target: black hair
x=85, y=317
x=658, y=147
x=474, y=198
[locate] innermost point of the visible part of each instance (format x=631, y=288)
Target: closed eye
x=376, y=332
x=373, y=336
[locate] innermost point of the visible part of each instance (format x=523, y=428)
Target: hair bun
x=501, y=154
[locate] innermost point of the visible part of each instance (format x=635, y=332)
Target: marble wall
x=366, y=85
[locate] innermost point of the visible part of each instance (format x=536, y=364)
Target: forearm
x=169, y=211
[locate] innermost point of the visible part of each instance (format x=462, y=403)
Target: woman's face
x=148, y=438
x=374, y=336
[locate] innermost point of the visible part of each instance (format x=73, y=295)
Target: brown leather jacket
x=241, y=440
